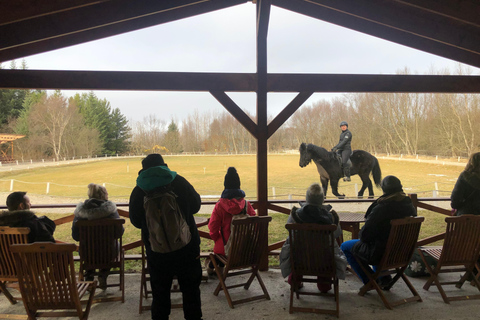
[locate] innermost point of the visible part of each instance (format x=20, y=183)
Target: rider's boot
x=346, y=172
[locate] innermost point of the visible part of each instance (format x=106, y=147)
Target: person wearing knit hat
x=391, y=184
x=314, y=211
x=232, y=202
x=393, y=204
x=182, y=263
x=232, y=180
x=97, y=206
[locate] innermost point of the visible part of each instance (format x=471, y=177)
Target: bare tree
x=51, y=118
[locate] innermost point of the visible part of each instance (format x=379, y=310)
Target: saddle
x=338, y=156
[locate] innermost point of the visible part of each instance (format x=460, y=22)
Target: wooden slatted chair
x=100, y=247
x=248, y=245
x=8, y=272
x=400, y=247
x=312, y=256
x=48, y=282
x=460, y=253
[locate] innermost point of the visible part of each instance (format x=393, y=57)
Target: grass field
x=206, y=174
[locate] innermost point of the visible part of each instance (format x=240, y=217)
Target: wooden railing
x=417, y=202
x=273, y=205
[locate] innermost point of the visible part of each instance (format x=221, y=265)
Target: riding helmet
x=344, y=123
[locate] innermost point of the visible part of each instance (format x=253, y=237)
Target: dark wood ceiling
x=447, y=28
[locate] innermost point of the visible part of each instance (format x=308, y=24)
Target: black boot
x=346, y=172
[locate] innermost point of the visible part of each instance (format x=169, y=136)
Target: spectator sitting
x=97, y=206
x=232, y=202
x=20, y=216
x=466, y=193
x=393, y=204
x=313, y=211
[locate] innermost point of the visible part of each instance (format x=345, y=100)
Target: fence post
x=273, y=192
x=11, y=184
x=356, y=188
x=414, y=198
x=31, y=161
x=290, y=198
x=435, y=192
x=48, y=187
x=17, y=162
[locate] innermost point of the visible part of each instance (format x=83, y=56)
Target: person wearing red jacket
x=232, y=202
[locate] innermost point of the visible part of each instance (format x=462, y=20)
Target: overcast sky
x=224, y=41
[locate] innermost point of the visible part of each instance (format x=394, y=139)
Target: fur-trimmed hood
x=8, y=218
x=92, y=209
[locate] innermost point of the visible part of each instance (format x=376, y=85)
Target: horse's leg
x=324, y=182
x=370, y=189
x=334, y=185
x=366, y=182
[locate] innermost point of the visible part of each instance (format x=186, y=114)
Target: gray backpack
x=167, y=227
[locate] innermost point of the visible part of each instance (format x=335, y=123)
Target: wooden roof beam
x=234, y=82
x=88, y=23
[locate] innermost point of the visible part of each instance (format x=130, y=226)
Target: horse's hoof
x=347, y=179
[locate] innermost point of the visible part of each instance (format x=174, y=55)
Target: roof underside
x=448, y=28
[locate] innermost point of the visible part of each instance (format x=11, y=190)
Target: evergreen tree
x=172, y=138
x=119, y=133
x=11, y=100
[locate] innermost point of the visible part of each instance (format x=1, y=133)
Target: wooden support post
x=263, y=16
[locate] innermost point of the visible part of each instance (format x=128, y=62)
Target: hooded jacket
x=93, y=209
x=313, y=214
x=41, y=229
x=466, y=194
x=376, y=230
x=221, y=219
x=188, y=201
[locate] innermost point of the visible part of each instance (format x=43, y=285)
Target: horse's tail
x=376, y=173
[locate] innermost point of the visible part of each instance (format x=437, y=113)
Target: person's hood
x=8, y=218
x=233, y=206
x=396, y=196
x=155, y=177
x=471, y=179
x=92, y=209
x=313, y=214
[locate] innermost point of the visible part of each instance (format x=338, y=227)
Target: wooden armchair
x=8, y=272
x=248, y=245
x=100, y=248
x=460, y=252
x=400, y=247
x=312, y=255
x=47, y=280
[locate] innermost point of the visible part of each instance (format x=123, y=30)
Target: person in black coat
x=393, y=204
x=344, y=149
x=466, y=193
x=183, y=263
x=20, y=216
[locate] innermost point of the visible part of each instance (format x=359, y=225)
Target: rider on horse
x=344, y=149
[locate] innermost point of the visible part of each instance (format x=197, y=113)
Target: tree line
x=398, y=123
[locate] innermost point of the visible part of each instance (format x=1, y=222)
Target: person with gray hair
x=393, y=204
x=314, y=211
x=97, y=206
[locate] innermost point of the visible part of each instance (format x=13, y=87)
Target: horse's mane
x=319, y=152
